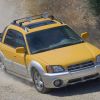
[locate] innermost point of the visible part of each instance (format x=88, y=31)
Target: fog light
x=58, y=83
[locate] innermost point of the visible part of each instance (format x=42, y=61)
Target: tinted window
x=52, y=38
x=1, y=35
x=38, y=24
x=14, y=38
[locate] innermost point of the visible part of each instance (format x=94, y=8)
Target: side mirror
x=20, y=50
x=84, y=35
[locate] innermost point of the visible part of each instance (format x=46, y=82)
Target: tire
x=38, y=82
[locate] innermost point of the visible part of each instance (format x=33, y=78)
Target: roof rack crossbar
x=22, y=20
x=19, y=22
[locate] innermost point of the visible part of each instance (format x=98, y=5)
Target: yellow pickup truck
x=48, y=53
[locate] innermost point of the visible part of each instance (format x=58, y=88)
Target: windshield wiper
x=64, y=45
x=59, y=46
x=41, y=50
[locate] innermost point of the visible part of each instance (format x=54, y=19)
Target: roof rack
x=28, y=19
x=19, y=22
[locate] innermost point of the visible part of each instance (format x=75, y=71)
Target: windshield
x=52, y=38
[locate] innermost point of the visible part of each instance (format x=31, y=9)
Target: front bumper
x=71, y=77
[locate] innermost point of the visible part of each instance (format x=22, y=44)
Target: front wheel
x=38, y=82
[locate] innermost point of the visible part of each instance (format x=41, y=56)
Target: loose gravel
x=14, y=88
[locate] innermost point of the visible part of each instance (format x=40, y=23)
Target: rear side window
x=2, y=34
x=14, y=39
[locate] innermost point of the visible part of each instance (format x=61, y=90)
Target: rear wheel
x=38, y=82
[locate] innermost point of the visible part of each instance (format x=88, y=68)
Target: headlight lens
x=55, y=69
x=98, y=59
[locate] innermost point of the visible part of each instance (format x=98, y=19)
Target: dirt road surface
x=14, y=88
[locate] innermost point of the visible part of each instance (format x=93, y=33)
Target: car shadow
x=78, y=89
x=16, y=78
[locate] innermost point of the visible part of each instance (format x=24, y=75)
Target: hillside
x=75, y=13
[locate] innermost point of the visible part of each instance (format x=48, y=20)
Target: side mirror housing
x=20, y=50
x=85, y=35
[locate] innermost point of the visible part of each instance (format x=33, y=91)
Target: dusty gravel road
x=14, y=88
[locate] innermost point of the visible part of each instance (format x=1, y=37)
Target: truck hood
x=69, y=55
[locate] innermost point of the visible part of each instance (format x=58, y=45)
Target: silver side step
x=20, y=76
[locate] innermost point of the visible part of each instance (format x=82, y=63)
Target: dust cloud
x=73, y=12
x=13, y=9
x=8, y=12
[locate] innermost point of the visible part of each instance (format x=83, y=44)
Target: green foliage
x=95, y=6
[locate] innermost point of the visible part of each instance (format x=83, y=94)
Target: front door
x=14, y=61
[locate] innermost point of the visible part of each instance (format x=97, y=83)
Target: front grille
x=82, y=66
x=83, y=79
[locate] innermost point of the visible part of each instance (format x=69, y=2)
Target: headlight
x=55, y=69
x=98, y=59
